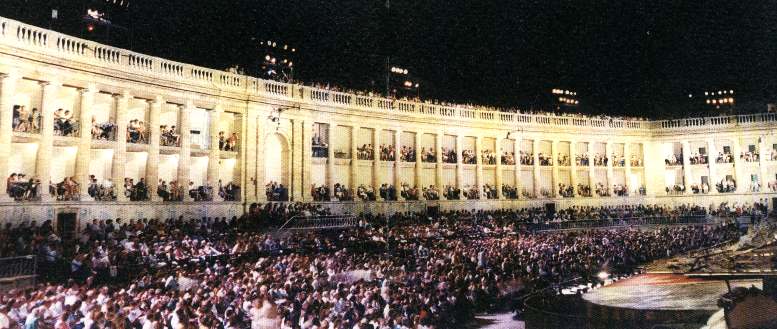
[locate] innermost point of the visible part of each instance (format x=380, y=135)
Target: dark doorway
x=550, y=209
x=67, y=227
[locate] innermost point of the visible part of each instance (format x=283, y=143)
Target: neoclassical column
x=296, y=160
x=687, y=166
x=307, y=159
x=498, y=176
x=252, y=155
x=354, y=161
x=438, y=167
x=84, y=155
x=184, y=155
x=214, y=153
x=610, y=175
x=762, y=162
x=330, y=162
x=712, y=162
x=7, y=91
x=46, y=147
x=397, y=163
x=554, y=172
x=627, y=168
x=536, y=166
x=152, y=164
x=591, y=172
x=479, y=166
x=459, y=165
x=517, y=159
x=120, y=147
x=573, y=165
x=377, y=178
x=419, y=166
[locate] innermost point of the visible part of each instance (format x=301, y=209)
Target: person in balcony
x=222, y=140
x=23, y=124
x=232, y=143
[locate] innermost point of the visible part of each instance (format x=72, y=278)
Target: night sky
x=622, y=57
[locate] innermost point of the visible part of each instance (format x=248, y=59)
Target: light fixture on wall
x=275, y=114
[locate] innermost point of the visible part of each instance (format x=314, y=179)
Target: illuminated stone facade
x=276, y=124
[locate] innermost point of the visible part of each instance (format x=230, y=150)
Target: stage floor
x=664, y=292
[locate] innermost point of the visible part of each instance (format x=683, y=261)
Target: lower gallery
x=146, y=193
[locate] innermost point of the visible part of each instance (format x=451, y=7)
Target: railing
x=23, y=266
x=633, y=221
x=302, y=222
x=31, y=38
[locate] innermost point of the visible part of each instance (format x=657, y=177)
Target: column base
x=85, y=197
x=6, y=198
x=47, y=198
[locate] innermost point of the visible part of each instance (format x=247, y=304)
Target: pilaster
x=83, y=157
x=184, y=156
x=7, y=91
x=120, y=147
x=152, y=168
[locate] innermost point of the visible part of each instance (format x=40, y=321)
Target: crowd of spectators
x=229, y=144
x=636, y=161
x=527, y=159
x=276, y=192
x=343, y=193
x=25, y=121
x=601, y=190
x=749, y=156
x=431, y=193
x=169, y=136
x=365, y=152
x=618, y=160
x=468, y=157
x=366, y=193
x=66, y=190
x=582, y=159
x=563, y=159
x=545, y=159
x=64, y=124
x=566, y=191
x=320, y=149
x=103, y=130
x=702, y=188
x=21, y=188
x=584, y=190
x=428, y=155
x=448, y=155
x=725, y=157
x=471, y=192
x=698, y=158
x=451, y=192
x=674, y=160
x=600, y=160
x=387, y=152
x=135, y=191
x=227, y=273
x=409, y=193
x=407, y=154
x=137, y=132
x=726, y=185
x=101, y=191
x=508, y=158
x=488, y=157
x=620, y=190
x=490, y=192
x=388, y=192
x=509, y=192
x=675, y=189
x=170, y=192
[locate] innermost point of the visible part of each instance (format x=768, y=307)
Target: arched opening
x=276, y=160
